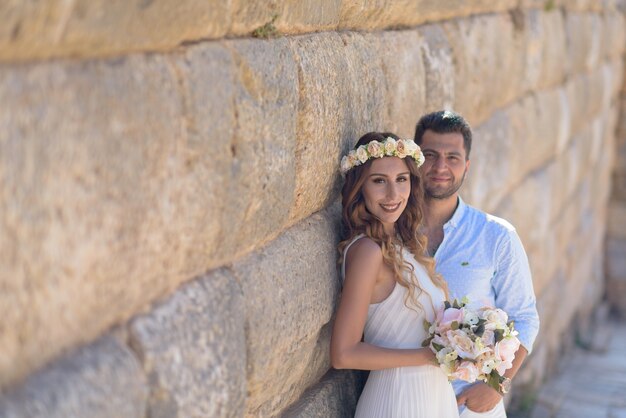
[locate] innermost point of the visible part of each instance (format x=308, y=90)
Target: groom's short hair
x=445, y=122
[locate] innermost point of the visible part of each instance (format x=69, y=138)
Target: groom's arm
x=514, y=293
x=481, y=397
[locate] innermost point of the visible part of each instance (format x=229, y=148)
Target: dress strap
x=345, y=252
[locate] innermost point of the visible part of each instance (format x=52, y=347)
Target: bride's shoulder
x=363, y=248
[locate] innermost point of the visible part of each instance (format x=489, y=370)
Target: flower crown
x=389, y=148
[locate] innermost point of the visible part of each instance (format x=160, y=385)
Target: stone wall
x=169, y=184
x=616, y=223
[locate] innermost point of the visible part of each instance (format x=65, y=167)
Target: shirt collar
x=461, y=207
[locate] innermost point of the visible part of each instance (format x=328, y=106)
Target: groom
x=478, y=254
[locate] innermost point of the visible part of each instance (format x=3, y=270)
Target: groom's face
x=446, y=164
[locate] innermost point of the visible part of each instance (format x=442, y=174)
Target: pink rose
x=461, y=343
x=466, y=371
x=375, y=149
x=505, y=352
x=449, y=316
x=488, y=338
x=401, y=149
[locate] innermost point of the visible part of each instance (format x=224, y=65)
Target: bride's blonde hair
x=356, y=219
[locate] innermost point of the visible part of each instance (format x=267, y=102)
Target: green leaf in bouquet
x=511, y=325
x=426, y=325
x=479, y=330
x=464, y=301
x=455, y=304
x=438, y=347
x=499, y=334
x=454, y=325
x=494, y=379
x=447, y=305
x=427, y=341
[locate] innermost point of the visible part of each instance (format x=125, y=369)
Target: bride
x=389, y=286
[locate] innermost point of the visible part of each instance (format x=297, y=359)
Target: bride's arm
x=364, y=262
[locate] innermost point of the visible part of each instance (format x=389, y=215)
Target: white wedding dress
x=404, y=392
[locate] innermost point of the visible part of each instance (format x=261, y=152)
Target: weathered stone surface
x=585, y=94
x=573, y=5
x=439, y=66
x=536, y=127
x=341, y=98
x=584, y=41
x=480, y=56
x=546, y=52
x=528, y=207
x=103, y=379
x=193, y=349
x=335, y=396
x=202, y=178
x=85, y=149
x=388, y=13
x=99, y=28
x=290, y=288
x=404, y=76
x=616, y=258
x=261, y=178
x=490, y=175
x=614, y=36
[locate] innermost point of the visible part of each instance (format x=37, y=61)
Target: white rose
x=390, y=146
x=401, y=150
x=470, y=318
x=411, y=146
x=345, y=164
x=375, y=149
x=361, y=154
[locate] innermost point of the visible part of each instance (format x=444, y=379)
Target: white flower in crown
x=361, y=154
x=401, y=148
x=390, y=147
x=375, y=149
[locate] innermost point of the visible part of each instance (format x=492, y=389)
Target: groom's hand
x=479, y=397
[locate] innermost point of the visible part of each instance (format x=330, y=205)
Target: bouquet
x=472, y=344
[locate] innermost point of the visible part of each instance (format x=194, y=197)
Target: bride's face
x=386, y=190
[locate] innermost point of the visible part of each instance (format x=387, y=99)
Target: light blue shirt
x=482, y=257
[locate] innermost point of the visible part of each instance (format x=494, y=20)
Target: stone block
x=261, y=180
x=616, y=259
x=439, y=66
x=584, y=41
x=389, y=13
x=618, y=187
x=87, y=28
x=533, y=129
x=341, y=97
x=478, y=55
x=336, y=395
x=528, y=206
x=614, y=36
x=400, y=54
x=584, y=96
x=491, y=172
x=193, y=349
x=85, y=151
x=195, y=192
x=288, y=17
x=545, y=48
x=298, y=16
x=101, y=380
x=290, y=287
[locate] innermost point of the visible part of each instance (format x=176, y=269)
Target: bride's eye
x=378, y=180
x=402, y=179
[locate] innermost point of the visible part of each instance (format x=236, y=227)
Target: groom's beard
x=441, y=192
